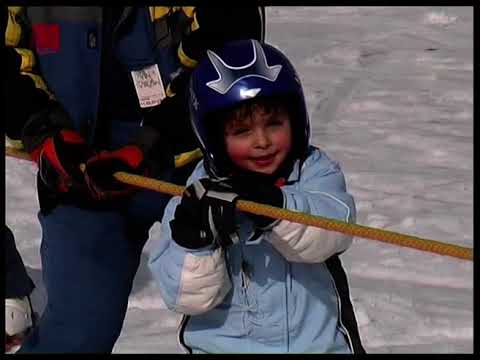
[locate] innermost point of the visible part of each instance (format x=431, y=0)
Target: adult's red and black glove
x=56, y=149
x=148, y=155
x=59, y=158
x=100, y=168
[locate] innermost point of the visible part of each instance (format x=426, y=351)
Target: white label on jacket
x=149, y=86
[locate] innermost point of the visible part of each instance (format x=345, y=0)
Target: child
x=249, y=283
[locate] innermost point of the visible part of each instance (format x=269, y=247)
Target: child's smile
x=264, y=160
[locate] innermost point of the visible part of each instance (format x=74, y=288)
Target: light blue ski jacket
x=283, y=292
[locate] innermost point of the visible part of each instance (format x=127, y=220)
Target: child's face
x=260, y=141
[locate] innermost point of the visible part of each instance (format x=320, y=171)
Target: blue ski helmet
x=241, y=71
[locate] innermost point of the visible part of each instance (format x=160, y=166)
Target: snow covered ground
x=390, y=94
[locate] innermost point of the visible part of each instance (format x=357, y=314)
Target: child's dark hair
x=268, y=107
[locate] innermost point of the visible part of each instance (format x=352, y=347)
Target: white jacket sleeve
x=321, y=191
x=190, y=281
x=204, y=283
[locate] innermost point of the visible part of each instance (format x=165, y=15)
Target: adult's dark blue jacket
x=84, y=57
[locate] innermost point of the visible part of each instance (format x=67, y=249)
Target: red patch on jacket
x=46, y=38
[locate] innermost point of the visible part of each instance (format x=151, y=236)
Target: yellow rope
x=314, y=220
x=302, y=218
x=16, y=153
x=186, y=158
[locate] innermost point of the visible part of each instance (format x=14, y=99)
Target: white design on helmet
x=229, y=75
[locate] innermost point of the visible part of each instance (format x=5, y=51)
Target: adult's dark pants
x=17, y=282
x=89, y=259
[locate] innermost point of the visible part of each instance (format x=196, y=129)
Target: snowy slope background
x=390, y=95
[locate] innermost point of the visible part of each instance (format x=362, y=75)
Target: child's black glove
x=205, y=215
x=259, y=188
